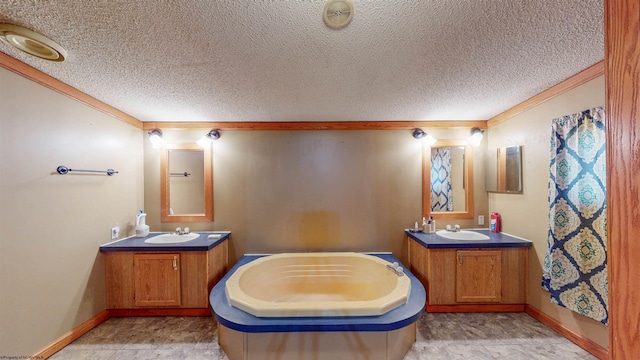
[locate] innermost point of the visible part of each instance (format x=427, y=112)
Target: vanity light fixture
x=426, y=138
x=206, y=140
x=476, y=137
x=155, y=137
x=31, y=42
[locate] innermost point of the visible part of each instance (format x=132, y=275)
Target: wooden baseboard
x=476, y=308
x=160, y=312
x=71, y=336
x=590, y=346
x=101, y=317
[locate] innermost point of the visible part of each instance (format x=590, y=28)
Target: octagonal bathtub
x=317, y=284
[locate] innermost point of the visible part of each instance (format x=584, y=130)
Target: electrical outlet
x=115, y=232
x=480, y=219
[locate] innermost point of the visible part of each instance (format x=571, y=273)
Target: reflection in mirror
x=504, y=170
x=186, y=184
x=186, y=181
x=447, y=174
x=448, y=180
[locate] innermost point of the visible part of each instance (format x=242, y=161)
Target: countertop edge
x=433, y=241
x=112, y=247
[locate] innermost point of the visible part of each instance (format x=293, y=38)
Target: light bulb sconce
x=155, y=137
x=426, y=138
x=209, y=138
x=419, y=133
x=475, y=137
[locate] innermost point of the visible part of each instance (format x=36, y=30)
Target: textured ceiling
x=276, y=60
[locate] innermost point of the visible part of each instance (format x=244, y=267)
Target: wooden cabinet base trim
x=160, y=312
x=476, y=308
x=590, y=346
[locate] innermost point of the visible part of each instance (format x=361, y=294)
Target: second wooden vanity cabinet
x=471, y=279
x=147, y=280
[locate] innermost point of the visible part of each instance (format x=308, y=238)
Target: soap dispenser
x=142, y=229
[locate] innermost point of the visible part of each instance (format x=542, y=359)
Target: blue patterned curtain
x=575, y=264
x=441, y=193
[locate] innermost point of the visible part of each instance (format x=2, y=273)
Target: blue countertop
x=202, y=243
x=239, y=320
x=496, y=240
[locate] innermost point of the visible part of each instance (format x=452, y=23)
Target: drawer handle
x=175, y=262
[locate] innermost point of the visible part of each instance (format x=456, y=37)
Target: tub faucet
x=397, y=269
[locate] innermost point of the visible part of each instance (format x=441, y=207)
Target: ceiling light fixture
x=32, y=43
x=476, y=137
x=426, y=138
x=206, y=140
x=155, y=137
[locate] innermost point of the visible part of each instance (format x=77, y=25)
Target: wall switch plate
x=480, y=219
x=115, y=232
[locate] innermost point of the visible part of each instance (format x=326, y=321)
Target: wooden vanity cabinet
x=163, y=280
x=462, y=279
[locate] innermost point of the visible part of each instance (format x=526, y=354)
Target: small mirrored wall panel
x=504, y=170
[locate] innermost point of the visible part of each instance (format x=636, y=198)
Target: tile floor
x=447, y=336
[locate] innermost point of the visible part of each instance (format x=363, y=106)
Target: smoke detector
x=31, y=42
x=338, y=13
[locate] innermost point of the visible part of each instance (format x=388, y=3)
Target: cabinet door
x=157, y=279
x=478, y=276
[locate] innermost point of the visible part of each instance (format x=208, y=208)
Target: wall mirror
x=504, y=170
x=447, y=180
x=186, y=184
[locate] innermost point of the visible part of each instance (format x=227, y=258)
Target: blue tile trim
x=239, y=320
x=202, y=243
x=496, y=240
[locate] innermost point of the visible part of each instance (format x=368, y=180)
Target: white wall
x=525, y=214
x=51, y=226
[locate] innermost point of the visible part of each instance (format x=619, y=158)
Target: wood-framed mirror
x=503, y=170
x=186, y=183
x=447, y=180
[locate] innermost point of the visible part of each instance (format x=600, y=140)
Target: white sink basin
x=171, y=238
x=462, y=235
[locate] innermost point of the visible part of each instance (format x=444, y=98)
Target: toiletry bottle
x=142, y=229
x=495, y=222
x=433, y=225
x=425, y=226
x=415, y=227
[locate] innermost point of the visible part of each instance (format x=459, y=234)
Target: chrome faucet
x=397, y=269
x=180, y=232
x=456, y=228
